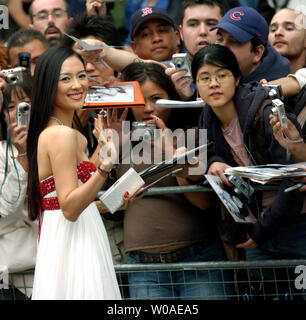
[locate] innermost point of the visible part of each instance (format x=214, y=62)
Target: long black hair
x=45, y=84
x=216, y=55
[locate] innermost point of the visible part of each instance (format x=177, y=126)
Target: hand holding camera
x=279, y=111
x=290, y=131
x=13, y=75
x=275, y=91
x=182, y=62
x=180, y=75
x=19, y=135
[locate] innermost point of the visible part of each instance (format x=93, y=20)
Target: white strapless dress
x=74, y=260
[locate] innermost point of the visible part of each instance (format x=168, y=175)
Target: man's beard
x=53, y=41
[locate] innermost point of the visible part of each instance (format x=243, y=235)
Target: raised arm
x=64, y=153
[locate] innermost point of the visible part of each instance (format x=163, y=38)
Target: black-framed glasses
x=56, y=14
x=220, y=77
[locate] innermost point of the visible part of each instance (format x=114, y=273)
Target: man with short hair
x=154, y=34
x=50, y=17
x=287, y=39
x=198, y=16
x=245, y=32
x=26, y=40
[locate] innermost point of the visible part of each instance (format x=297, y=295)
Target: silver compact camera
x=275, y=91
x=182, y=62
x=241, y=187
x=142, y=131
x=23, y=114
x=279, y=110
x=13, y=75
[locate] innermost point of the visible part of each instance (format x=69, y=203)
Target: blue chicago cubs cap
x=144, y=14
x=244, y=23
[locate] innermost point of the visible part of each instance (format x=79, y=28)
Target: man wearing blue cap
x=154, y=34
x=245, y=32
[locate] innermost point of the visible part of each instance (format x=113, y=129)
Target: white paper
x=84, y=44
x=164, y=103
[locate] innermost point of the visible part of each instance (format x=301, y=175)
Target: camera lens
x=179, y=63
x=273, y=94
x=11, y=78
x=274, y=111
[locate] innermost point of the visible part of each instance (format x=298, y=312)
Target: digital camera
x=23, y=114
x=182, y=62
x=142, y=131
x=279, y=110
x=13, y=75
x=241, y=186
x=275, y=91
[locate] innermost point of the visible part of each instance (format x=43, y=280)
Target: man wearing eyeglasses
x=50, y=17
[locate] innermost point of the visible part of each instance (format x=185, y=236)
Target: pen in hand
x=296, y=186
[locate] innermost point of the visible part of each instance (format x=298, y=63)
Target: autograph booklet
x=114, y=95
x=268, y=173
x=170, y=163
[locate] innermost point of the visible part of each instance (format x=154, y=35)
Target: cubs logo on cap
x=243, y=24
x=235, y=15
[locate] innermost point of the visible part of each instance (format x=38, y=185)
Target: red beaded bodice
x=84, y=170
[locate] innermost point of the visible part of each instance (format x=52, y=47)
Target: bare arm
x=201, y=200
x=17, y=13
x=63, y=151
x=290, y=86
x=115, y=58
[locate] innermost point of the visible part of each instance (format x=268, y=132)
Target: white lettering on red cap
x=146, y=11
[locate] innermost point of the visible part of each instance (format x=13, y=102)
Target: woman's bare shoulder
x=57, y=132
x=57, y=136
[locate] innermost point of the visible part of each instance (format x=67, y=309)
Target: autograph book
x=114, y=95
x=170, y=163
x=268, y=173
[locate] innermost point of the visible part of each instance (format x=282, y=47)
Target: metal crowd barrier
x=192, y=188
x=250, y=280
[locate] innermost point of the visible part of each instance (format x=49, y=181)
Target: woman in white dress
x=74, y=259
